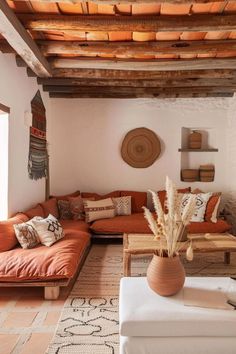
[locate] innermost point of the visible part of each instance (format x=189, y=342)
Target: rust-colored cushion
x=134, y=223
x=162, y=195
x=208, y=227
x=36, y=211
x=138, y=200
x=96, y=196
x=50, y=207
x=212, y=202
x=66, y=196
x=8, y=238
x=59, y=261
x=74, y=225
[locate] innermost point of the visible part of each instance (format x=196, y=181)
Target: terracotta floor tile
x=37, y=344
x=8, y=342
x=29, y=302
x=19, y=319
x=52, y=318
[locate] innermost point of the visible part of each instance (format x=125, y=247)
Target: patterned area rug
x=89, y=322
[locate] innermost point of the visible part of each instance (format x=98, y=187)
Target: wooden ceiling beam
x=56, y=84
x=144, y=95
x=106, y=74
x=110, y=2
x=148, y=65
x=50, y=48
x=137, y=90
x=163, y=23
x=19, y=39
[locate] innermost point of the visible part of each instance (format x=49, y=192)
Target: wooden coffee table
x=141, y=244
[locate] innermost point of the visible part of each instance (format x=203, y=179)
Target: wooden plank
x=106, y=74
x=4, y=108
x=148, y=65
x=131, y=1
x=49, y=48
x=5, y=47
x=51, y=84
x=137, y=90
x=144, y=95
x=192, y=23
x=19, y=39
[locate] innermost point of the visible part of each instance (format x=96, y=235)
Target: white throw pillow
x=201, y=203
x=26, y=233
x=49, y=230
x=122, y=205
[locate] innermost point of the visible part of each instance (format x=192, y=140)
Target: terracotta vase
x=165, y=275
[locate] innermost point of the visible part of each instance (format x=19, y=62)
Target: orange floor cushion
x=59, y=261
x=220, y=226
x=134, y=223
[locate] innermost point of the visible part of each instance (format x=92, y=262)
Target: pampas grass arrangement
x=168, y=228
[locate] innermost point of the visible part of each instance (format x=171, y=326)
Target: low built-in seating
x=55, y=266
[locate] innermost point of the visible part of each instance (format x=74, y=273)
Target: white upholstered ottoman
x=151, y=324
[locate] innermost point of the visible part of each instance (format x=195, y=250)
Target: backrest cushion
x=138, y=200
x=50, y=207
x=8, y=238
x=96, y=196
x=66, y=196
x=212, y=207
x=35, y=211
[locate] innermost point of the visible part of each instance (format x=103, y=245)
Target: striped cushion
x=100, y=209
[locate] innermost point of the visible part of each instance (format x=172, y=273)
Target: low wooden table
x=140, y=244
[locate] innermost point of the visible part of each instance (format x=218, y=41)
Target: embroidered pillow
x=49, y=230
x=201, y=203
x=122, y=205
x=26, y=233
x=64, y=209
x=100, y=209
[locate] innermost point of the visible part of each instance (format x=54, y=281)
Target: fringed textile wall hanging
x=38, y=155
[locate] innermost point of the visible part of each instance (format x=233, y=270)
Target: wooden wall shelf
x=198, y=150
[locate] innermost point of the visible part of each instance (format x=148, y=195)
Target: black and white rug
x=89, y=323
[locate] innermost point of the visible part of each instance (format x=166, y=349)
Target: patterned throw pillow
x=100, y=209
x=64, y=209
x=26, y=233
x=49, y=230
x=122, y=205
x=201, y=203
x=77, y=208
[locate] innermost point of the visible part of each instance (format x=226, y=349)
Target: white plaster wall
x=86, y=137
x=16, y=92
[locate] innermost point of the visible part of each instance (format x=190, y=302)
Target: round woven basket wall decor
x=140, y=148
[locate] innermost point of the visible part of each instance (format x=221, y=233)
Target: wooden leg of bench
x=227, y=258
x=51, y=292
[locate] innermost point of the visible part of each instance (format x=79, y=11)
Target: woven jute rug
x=89, y=322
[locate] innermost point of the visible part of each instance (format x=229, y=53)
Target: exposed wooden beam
x=106, y=74
x=46, y=22
x=129, y=1
x=5, y=47
x=4, y=108
x=149, y=65
x=136, y=90
x=19, y=39
x=60, y=84
x=144, y=95
x=50, y=48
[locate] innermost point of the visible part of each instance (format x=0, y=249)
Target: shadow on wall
x=230, y=210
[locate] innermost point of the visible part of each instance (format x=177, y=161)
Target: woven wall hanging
x=38, y=155
x=140, y=148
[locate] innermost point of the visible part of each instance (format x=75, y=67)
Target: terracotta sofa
x=48, y=267
x=55, y=266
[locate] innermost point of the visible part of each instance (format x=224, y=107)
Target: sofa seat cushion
x=70, y=225
x=134, y=223
x=208, y=227
x=59, y=261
